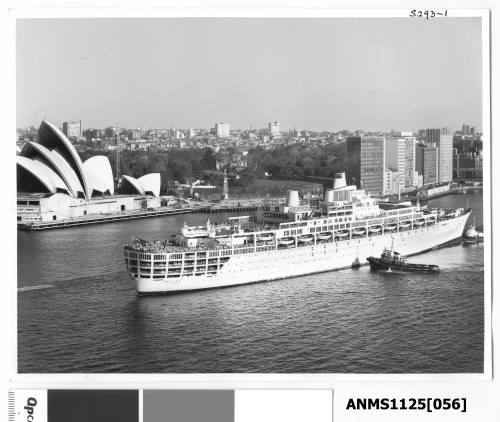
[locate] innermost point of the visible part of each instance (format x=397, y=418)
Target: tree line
x=291, y=162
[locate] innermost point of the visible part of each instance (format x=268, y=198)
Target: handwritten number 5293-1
x=427, y=14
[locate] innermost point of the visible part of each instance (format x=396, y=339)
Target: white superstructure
x=287, y=240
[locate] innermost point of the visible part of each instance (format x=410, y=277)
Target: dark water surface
x=77, y=312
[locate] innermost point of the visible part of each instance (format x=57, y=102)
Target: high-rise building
x=468, y=130
x=419, y=159
x=443, y=139
x=91, y=134
x=274, y=129
x=426, y=163
x=372, y=160
x=175, y=133
x=353, y=170
x=395, y=153
x=410, y=145
x=222, y=130
x=110, y=132
x=432, y=136
x=72, y=129
x=445, y=155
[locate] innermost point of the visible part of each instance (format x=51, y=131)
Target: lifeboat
x=359, y=231
x=405, y=224
x=305, y=238
x=341, y=234
x=375, y=229
x=325, y=236
x=286, y=241
x=390, y=227
x=430, y=220
x=419, y=222
x=265, y=237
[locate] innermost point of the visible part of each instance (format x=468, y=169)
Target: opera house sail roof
x=53, y=165
x=147, y=184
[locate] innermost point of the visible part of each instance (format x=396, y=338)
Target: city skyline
x=186, y=72
x=263, y=127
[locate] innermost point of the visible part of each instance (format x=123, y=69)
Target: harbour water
x=77, y=312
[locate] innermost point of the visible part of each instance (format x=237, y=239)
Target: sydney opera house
x=54, y=184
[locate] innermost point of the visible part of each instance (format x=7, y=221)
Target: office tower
x=395, y=152
x=353, y=165
x=426, y=163
x=72, y=129
x=274, y=129
x=222, y=130
x=432, y=136
x=445, y=155
x=110, y=132
x=372, y=159
x=443, y=139
x=410, y=144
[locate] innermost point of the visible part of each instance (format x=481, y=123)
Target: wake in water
x=29, y=288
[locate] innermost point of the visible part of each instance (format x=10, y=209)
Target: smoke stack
x=293, y=198
x=339, y=181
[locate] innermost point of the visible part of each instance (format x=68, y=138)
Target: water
x=78, y=313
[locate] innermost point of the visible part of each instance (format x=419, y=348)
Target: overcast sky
x=316, y=73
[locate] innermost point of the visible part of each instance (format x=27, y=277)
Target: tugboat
x=391, y=261
x=472, y=235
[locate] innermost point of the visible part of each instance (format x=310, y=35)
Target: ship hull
x=308, y=259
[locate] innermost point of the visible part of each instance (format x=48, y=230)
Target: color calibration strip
x=170, y=405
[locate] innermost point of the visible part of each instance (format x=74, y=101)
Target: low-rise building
x=45, y=207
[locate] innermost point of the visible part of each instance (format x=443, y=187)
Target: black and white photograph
x=252, y=195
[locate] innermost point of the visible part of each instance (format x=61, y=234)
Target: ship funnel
x=329, y=195
x=293, y=198
x=339, y=181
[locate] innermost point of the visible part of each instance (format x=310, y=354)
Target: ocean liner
x=288, y=239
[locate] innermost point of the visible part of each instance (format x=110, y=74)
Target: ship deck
x=256, y=229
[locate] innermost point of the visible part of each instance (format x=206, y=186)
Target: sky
x=307, y=73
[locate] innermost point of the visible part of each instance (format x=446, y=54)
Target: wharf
x=102, y=218
x=226, y=208
x=136, y=214
x=459, y=190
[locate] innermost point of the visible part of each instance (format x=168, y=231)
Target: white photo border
x=166, y=380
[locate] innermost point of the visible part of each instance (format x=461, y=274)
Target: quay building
x=54, y=184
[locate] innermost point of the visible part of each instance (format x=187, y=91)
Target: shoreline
x=233, y=205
